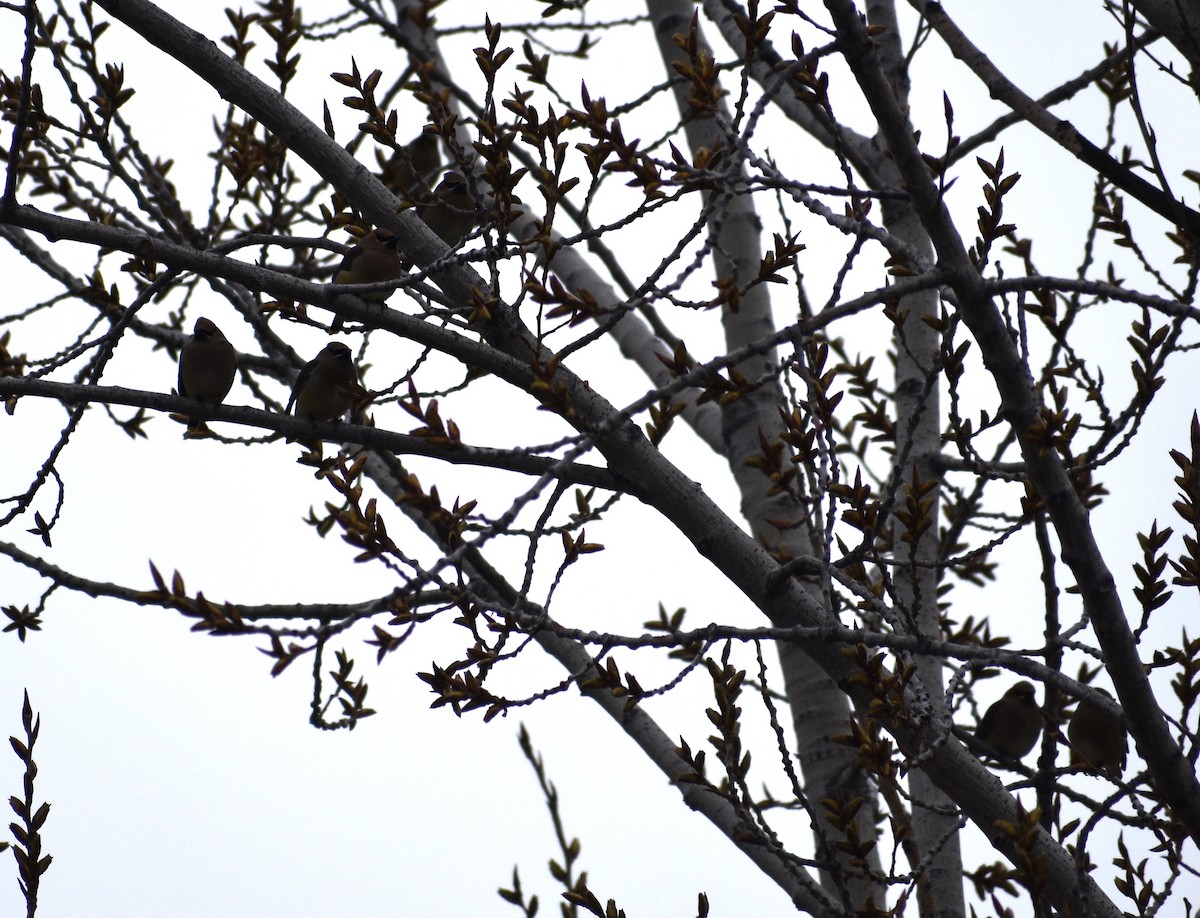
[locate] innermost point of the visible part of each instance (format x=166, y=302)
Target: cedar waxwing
x=1012, y=725
x=451, y=214
x=207, y=364
x=1097, y=738
x=373, y=260
x=409, y=172
x=325, y=388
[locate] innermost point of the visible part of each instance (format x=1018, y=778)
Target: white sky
x=184, y=781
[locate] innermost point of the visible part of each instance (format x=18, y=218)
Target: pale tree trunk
x=819, y=708
x=935, y=830
x=918, y=427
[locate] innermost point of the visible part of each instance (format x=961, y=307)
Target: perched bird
x=1097, y=738
x=451, y=213
x=372, y=260
x=1012, y=725
x=410, y=170
x=207, y=365
x=325, y=388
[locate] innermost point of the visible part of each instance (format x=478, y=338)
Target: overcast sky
x=184, y=781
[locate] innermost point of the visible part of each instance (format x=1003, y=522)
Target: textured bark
x=918, y=443
x=819, y=708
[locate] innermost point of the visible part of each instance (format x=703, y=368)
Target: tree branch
x=1173, y=776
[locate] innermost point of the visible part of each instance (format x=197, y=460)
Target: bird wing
x=347, y=261
x=988, y=722
x=301, y=381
